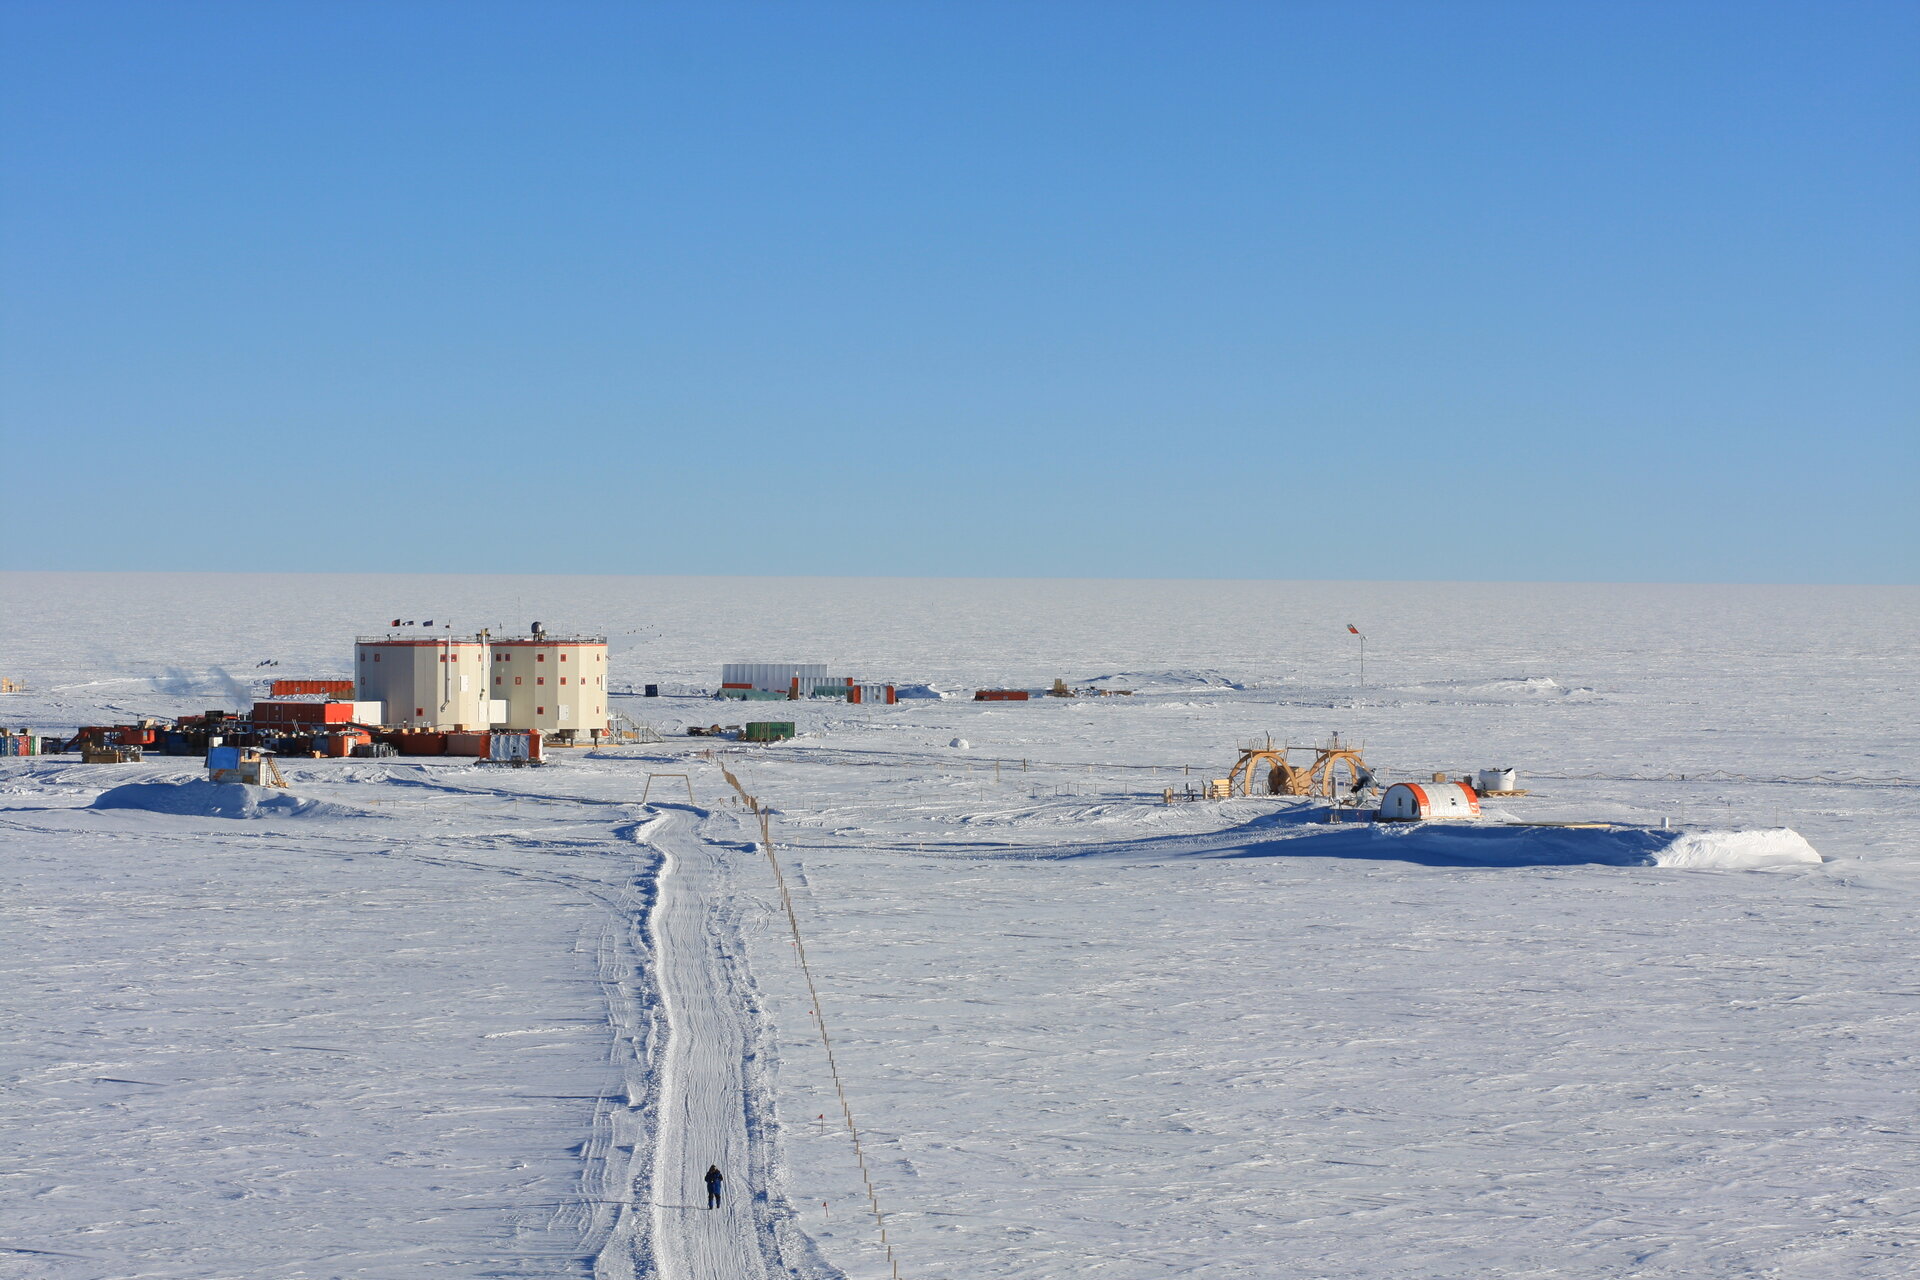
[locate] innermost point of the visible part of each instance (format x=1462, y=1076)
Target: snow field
x=1284, y=1065
x=1085, y=1033
x=240, y=1052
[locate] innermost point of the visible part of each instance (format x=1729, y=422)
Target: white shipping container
x=506, y=745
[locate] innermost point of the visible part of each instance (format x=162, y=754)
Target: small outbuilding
x=249, y=765
x=1428, y=801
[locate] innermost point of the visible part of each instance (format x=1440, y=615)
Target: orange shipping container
x=310, y=688
x=341, y=745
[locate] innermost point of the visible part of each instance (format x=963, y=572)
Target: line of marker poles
x=819, y=1020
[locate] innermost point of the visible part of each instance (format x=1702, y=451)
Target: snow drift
x=1618, y=846
x=1768, y=847
x=1162, y=681
x=200, y=798
x=1297, y=833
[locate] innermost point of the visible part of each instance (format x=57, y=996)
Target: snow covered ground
x=433, y=1019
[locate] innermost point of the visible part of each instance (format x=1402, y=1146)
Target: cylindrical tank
x=1428, y=801
x=1498, y=780
x=552, y=683
x=425, y=683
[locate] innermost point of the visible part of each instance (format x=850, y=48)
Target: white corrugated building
x=771, y=677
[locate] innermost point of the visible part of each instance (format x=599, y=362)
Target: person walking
x=714, y=1179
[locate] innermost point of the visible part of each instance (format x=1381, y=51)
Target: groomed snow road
x=700, y=1079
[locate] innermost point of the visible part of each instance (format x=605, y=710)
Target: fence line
x=819, y=1019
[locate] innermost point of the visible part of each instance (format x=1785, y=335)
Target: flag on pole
x=396, y=622
x=1352, y=628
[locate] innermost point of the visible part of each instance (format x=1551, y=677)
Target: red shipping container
x=310, y=688
x=467, y=742
x=1001, y=695
x=302, y=712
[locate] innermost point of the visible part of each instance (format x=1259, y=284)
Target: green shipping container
x=767, y=731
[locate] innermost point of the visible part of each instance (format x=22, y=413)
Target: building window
x=539, y=657
x=516, y=679
x=539, y=711
x=376, y=657
x=563, y=679
x=496, y=679
x=419, y=711
x=563, y=657
x=539, y=679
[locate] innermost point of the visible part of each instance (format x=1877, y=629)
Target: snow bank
x=1297, y=833
x=1619, y=846
x=907, y=691
x=1162, y=681
x=1505, y=690
x=1738, y=850
x=203, y=799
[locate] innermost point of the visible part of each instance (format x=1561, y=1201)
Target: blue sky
x=1538, y=291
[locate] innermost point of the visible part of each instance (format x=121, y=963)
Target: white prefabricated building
x=556, y=684
x=427, y=684
x=771, y=676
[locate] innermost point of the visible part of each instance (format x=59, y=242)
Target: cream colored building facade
x=556, y=684
x=425, y=684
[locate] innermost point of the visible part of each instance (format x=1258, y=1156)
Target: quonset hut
x=1426, y=801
